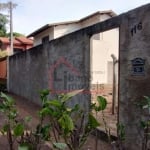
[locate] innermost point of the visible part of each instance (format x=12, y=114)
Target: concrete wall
x=67, y=60
x=61, y=66
x=134, y=43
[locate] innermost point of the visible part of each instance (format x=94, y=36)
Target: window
x=45, y=39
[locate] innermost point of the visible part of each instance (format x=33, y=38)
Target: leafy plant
x=61, y=125
x=100, y=107
x=11, y=128
x=118, y=145
x=67, y=125
x=121, y=131
x=145, y=123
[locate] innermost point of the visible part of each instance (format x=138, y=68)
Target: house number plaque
x=138, y=67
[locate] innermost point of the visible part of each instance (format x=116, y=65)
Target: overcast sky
x=30, y=15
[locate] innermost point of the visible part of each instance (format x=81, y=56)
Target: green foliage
x=3, y=27
x=102, y=103
x=59, y=124
x=3, y=18
x=12, y=127
x=147, y=103
x=3, y=23
x=19, y=129
x=15, y=34
x=145, y=123
x=121, y=131
x=93, y=123
x=25, y=146
x=61, y=146
x=67, y=124
x=8, y=108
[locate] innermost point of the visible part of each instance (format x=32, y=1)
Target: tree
x=16, y=34
x=3, y=22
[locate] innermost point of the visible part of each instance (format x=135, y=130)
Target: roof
x=109, y=12
x=47, y=26
x=24, y=40
x=17, y=40
x=4, y=40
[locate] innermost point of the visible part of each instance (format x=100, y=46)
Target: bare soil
x=27, y=108
x=110, y=119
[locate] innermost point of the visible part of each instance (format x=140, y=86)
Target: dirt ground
x=27, y=108
x=111, y=119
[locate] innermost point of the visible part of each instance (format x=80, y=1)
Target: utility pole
x=9, y=6
x=11, y=43
x=11, y=28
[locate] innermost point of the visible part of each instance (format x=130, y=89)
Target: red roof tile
x=4, y=40
x=17, y=40
x=24, y=40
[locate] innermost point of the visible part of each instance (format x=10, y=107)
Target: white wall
x=101, y=51
x=104, y=17
x=90, y=21
x=61, y=30
x=38, y=38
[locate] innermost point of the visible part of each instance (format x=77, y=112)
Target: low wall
x=60, y=65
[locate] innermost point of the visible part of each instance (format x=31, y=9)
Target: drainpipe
x=114, y=84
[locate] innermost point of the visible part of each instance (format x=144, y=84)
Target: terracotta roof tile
x=17, y=40
x=4, y=40
x=24, y=40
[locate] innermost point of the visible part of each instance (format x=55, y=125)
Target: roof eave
x=39, y=30
x=109, y=12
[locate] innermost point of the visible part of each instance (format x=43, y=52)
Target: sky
x=30, y=15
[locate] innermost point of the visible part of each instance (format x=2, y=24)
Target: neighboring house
x=56, y=30
x=20, y=44
x=102, y=44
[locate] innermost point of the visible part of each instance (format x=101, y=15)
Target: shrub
x=60, y=125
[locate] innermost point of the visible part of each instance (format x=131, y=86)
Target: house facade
x=56, y=30
x=19, y=43
x=103, y=45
